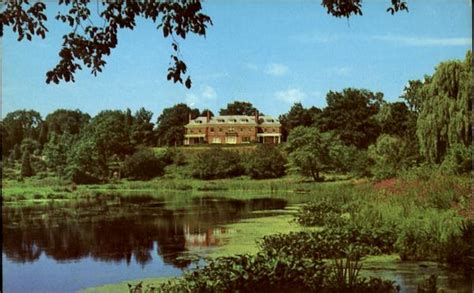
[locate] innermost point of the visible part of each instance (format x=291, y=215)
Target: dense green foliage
x=66, y=121
x=445, y=116
x=308, y=151
x=26, y=169
x=458, y=159
x=357, y=133
x=56, y=151
x=143, y=164
x=312, y=152
x=412, y=217
x=19, y=125
x=84, y=163
x=265, y=162
x=217, y=163
x=170, y=124
x=239, y=108
x=141, y=133
x=298, y=116
x=388, y=156
x=320, y=213
x=351, y=114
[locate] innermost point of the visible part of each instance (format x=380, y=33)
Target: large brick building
x=232, y=129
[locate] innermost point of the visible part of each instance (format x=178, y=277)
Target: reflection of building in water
x=203, y=239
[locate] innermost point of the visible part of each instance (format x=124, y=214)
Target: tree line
x=358, y=131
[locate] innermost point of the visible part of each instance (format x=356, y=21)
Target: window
x=220, y=129
x=244, y=120
x=216, y=140
x=220, y=120
x=231, y=139
x=241, y=129
x=231, y=129
x=212, y=129
x=245, y=138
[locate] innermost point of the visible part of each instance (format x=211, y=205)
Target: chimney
x=189, y=118
x=208, y=116
x=256, y=116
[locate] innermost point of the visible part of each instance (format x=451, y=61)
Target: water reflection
x=118, y=229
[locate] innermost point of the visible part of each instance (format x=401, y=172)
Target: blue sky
x=271, y=54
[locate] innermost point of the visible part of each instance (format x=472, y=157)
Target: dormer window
x=221, y=120
x=270, y=120
x=244, y=120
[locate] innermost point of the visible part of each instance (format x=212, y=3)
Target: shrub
x=247, y=273
x=266, y=162
x=458, y=159
x=217, y=163
x=143, y=165
x=422, y=172
x=26, y=169
x=38, y=164
x=387, y=155
x=320, y=213
x=167, y=156
x=267, y=273
x=360, y=164
x=82, y=177
x=332, y=242
x=38, y=196
x=432, y=237
x=460, y=248
x=179, y=158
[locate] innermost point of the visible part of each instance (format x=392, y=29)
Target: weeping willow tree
x=445, y=119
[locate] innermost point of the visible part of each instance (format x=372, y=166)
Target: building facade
x=232, y=129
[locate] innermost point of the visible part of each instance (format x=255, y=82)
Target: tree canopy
x=70, y=121
x=308, y=151
x=19, y=125
x=298, y=116
x=351, y=115
x=239, y=108
x=445, y=118
x=170, y=130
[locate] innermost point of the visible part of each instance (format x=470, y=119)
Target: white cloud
x=204, y=98
x=316, y=94
x=340, y=71
x=276, y=69
x=314, y=38
x=423, y=41
x=209, y=93
x=251, y=66
x=215, y=75
x=291, y=96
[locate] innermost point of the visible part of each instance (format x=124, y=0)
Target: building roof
x=237, y=119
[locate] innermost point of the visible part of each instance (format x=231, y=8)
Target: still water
x=65, y=247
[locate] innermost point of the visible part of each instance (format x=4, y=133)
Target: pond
x=62, y=247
